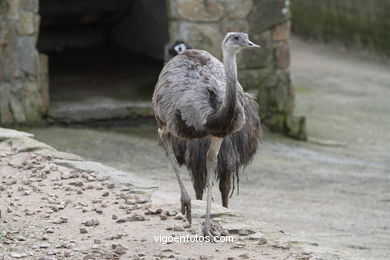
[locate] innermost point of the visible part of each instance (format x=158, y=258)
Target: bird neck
x=226, y=117
x=229, y=62
x=230, y=100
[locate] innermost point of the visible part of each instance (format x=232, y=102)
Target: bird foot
x=212, y=230
x=186, y=207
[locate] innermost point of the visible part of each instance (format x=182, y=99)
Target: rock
x=76, y=183
x=114, y=216
x=91, y=223
x=197, y=11
x=60, y=221
x=238, y=245
x=49, y=230
x=296, y=127
x=16, y=255
x=137, y=217
x=21, y=238
x=121, y=220
x=163, y=216
x=243, y=232
x=265, y=15
x=44, y=245
x=83, y=231
x=237, y=9
x=282, y=54
x=179, y=216
x=172, y=213
x=280, y=245
x=141, y=201
x=119, y=249
x=178, y=228
x=256, y=236
x=244, y=256
x=202, y=36
x=224, y=232
x=105, y=194
x=281, y=32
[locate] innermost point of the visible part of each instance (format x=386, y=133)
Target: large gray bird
x=197, y=97
x=236, y=152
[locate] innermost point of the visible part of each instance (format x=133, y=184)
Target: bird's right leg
x=185, y=198
x=211, y=165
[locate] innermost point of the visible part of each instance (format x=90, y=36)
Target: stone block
x=5, y=112
x=200, y=36
x=43, y=81
x=228, y=25
x=276, y=122
x=253, y=78
x=281, y=32
x=13, y=9
x=26, y=23
x=267, y=13
x=3, y=7
x=31, y=101
x=27, y=55
x=282, y=55
x=29, y=5
x=17, y=109
x=296, y=127
x=237, y=9
x=195, y=11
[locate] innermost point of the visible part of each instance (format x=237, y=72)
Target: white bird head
x=235, y=41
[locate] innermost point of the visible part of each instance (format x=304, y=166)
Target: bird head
x=177, y=48
x=236, y=41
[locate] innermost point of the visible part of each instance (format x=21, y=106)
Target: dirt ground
x=65, y=209
x=334, y=189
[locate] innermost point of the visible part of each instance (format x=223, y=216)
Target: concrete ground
x=334, y=189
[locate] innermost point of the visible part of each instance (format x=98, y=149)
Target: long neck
x=225, y=113
x=229, y=62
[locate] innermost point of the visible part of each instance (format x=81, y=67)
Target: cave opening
x=104, y=55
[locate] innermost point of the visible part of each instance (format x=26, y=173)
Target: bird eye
x=236, y=38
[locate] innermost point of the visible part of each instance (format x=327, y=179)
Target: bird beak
x=252, y=45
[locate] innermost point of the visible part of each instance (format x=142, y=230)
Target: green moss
x=353, y=22
x=301, y=89
x=3, y=6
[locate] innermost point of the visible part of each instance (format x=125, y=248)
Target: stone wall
x=203, y=24
x=263, y=72
x=360, y=23
x=23, y=72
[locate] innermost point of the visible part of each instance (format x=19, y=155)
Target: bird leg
x=209, y=229
x=185, y=198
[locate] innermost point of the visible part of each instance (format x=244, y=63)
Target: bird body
x=192, y=86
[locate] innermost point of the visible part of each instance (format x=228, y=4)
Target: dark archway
x=104, y=56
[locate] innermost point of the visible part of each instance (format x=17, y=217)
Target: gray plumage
x=198, y=98
x=237, y=150
x=190, y=89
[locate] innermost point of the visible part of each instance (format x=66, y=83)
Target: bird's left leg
x=211, y=165
x=185, y=198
